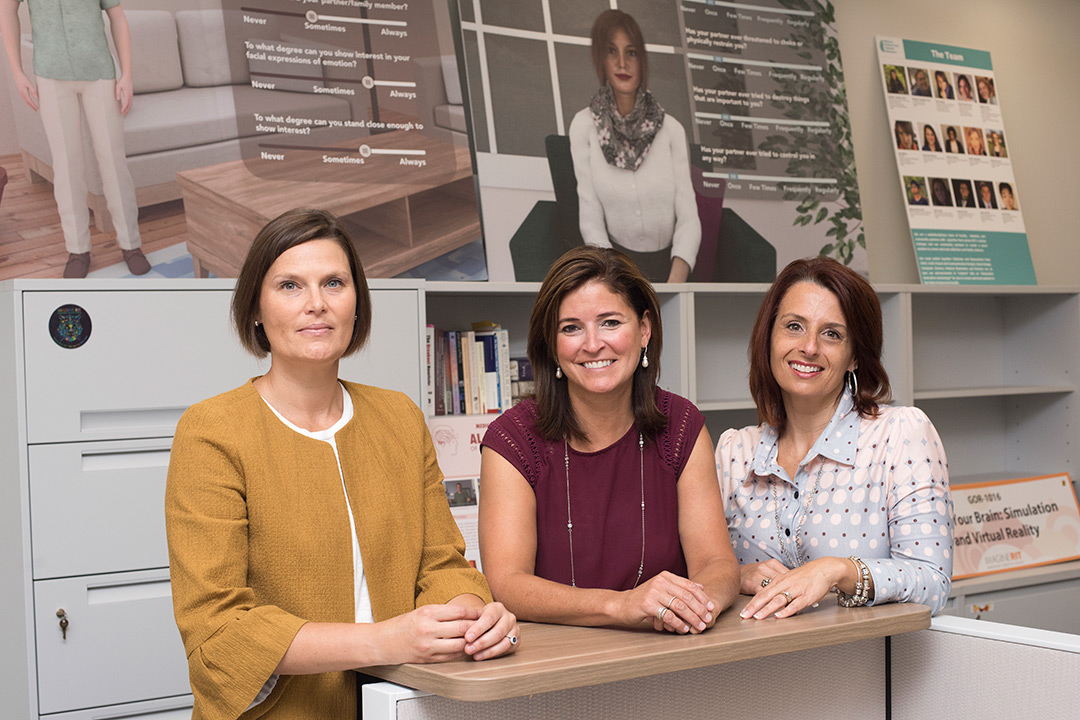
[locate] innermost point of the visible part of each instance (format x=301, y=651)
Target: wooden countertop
x=559, y=657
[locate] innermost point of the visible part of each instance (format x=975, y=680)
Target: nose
x=593, y=343
x=809, y=345
x=316, y=301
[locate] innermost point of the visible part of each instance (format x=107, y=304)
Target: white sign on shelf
x=1012, y=524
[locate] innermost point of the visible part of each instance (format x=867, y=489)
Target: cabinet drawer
x=122, y=644
x=150, y=354
x=98, y=507
x=166, y=709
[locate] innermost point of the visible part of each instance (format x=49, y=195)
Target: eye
x=289, y=285
x=793, y=326
x=569, y=329
x=611, y=323
x=834, y=334
x=335, y=283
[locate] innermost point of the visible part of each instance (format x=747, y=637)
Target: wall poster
x=246, y=109
x=758, y=87
x=954, y=161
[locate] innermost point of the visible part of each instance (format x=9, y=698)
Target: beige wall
x=1035, y=52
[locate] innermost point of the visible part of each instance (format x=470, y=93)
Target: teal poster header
x=947, y=55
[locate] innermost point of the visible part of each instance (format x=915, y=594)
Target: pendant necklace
x=797, y=560
x=570, y=522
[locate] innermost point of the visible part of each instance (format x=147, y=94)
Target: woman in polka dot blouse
x=835, y=490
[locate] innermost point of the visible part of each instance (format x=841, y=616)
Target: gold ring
x=786, y=594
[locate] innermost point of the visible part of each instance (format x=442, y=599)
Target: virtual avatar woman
x=631, y=160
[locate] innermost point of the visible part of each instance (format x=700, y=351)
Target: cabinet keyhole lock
x=63, y=622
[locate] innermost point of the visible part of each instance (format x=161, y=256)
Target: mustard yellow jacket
x=259, y=542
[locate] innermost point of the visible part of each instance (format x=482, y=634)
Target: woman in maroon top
x=599, y=501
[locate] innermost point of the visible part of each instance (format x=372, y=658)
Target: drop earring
x=558, y=372
x=645, y=357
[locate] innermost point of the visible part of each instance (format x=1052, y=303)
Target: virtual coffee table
x=403, y=210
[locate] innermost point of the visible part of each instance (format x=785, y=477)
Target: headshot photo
x=915, y=188
x=460, y=493
x=995, y=143
x=942, y=87
x=964, y=194
x=905, y=135
x=930, y=140
x=1008, y=197
x=973, y=139
x=920, y=82
x=894, y=79
x=953, y=144
x=985, y=88
x=984, y=193
x=963, y=88
x=939, y=192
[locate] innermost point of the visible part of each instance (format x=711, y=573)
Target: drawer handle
x=63, y=622
x=106, y=594
x=157, y=419
x=125, y=460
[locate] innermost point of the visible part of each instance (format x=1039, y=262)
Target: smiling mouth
x=597, y=364
x=806, y=369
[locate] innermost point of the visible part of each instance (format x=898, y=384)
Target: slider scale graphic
x=315, y=21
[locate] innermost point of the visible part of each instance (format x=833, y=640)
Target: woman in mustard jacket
x=309, y=532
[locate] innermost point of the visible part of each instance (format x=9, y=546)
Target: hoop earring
x=558, y=372
x=645, y=357
x=852, y=383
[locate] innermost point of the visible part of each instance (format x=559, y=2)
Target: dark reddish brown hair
x=622, y=277
x=862, y=316
x=285, y=232
x=604, y=28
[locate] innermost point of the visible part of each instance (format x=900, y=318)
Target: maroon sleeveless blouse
x=605, y=496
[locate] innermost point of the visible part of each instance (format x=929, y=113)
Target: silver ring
x=765, y=582
x=786, y=594
x=661, y=612
x=513, y=639
x=673, y=599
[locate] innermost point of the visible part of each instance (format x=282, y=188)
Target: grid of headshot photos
x=941, y=122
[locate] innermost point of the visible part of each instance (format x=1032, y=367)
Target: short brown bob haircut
x=570, y=272
x=604, y=28
x=285, y=232
x=862, y=315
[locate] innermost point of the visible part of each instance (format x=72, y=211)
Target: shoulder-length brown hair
x=862, y=316
x=570, y=272
x=603, y=28
x=285, y=232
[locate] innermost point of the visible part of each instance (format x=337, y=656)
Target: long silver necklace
x=797, y=560
x=570, y=521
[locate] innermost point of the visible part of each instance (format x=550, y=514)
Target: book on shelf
x=472, y=373
x=429, y=375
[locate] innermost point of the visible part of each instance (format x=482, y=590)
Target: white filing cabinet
x=85, y=434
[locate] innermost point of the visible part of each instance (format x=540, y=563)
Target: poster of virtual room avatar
x=457, y=448
x=758, y=88
x=963, y=204
x=247, y=109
